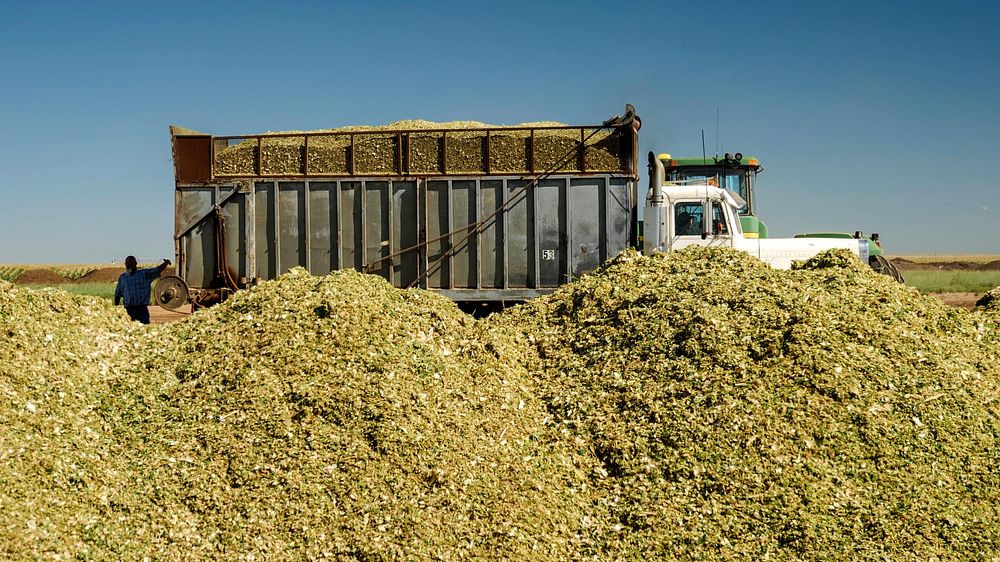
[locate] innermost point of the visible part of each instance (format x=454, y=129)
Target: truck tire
x=885, y=267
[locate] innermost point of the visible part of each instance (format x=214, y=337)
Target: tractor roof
x=694, y=161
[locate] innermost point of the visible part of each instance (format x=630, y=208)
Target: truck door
x=720, y=228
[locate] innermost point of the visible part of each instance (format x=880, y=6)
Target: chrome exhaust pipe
x=656, y=174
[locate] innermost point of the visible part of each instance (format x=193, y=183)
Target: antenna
x=704, y=162
x=717, y=139
x=704, y=158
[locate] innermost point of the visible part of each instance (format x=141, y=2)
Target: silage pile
x=990, y=301
x=696, y=406
x=741, y=412
x=339, y=418
x=425, y=150
x=56, y=351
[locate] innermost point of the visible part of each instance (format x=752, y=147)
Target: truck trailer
x=481, y=214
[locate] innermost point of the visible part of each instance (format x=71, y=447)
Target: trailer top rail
x=608, y=148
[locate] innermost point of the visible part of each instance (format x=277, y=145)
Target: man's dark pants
x=138, y=312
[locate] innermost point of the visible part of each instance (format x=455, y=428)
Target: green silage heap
x=741, y=412
x=339, y=418
x=56, y=351
x=990, y=301
x=693, y=406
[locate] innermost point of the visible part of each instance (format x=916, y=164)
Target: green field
x=10, y=272
x=943, y=281
x=104, y=290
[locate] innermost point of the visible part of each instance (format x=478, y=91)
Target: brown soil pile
x=908, y=265
x=40, y=277
x=103, y=275
x=110, y=274
x=48, y=277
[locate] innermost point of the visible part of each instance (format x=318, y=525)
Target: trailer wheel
x=171, y=292
x=886, y=267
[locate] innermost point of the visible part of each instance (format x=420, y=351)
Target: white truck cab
x=681, y=214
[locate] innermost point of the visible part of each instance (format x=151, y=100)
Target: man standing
x=133, y=287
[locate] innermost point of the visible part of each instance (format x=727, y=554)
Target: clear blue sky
x=879, y=116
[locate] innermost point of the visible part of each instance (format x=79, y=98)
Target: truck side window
x=719, y=225
x=687, y=218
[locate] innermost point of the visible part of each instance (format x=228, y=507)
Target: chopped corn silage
x=990, y=301
x=340, y=418
x=741, y=412
x=55, y=351
x=694, y=406
x=457, y=150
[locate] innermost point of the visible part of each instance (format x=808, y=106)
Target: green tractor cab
x=736, y=173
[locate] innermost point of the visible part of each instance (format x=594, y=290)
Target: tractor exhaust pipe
x=656, y=174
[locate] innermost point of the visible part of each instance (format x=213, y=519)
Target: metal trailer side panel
x=322, y=227
x=586, y=237
x=265, y=241
x=291, y=227
x=491, y=236
x=530, y=238
x=404, y=232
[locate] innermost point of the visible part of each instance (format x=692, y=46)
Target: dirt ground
x=160, y=315
x=959, y=300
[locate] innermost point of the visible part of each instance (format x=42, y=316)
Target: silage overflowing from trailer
x=454, y=148
x=698, y=405
x=741, y=412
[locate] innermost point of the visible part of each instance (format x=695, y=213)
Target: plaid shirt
x=134, y=287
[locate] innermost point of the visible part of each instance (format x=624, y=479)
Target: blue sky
x=879, y=116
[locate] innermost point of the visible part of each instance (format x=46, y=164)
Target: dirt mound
x=741, y=412
x=111, y=274
x=908, y=265
x=40, y=277
x=904, y=264
x=102, y=275
x=957, y=265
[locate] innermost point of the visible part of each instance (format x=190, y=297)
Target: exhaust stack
x=656, y=174
x=654, y=237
